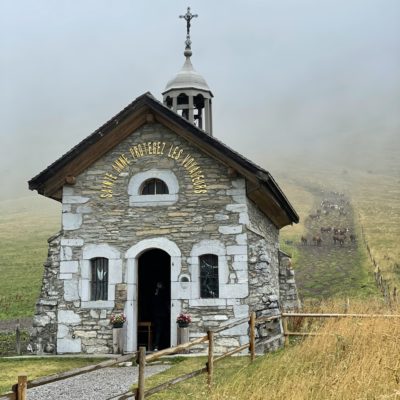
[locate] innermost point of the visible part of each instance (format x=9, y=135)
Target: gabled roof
x=261, y=187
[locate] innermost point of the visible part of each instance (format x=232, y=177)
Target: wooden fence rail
x=382, y=283
x=14, y=395
x=338, y=315
x=140, y=392
x=19, y=389
x=286, y=315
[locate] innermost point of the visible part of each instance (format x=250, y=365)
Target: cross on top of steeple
x=188, y=17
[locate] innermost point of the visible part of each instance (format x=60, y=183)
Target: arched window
x=209, y=282
x=99, y=279
x=154, y=186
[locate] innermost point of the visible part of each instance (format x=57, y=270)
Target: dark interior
x=154, y=266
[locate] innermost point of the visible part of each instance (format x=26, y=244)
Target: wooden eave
x=50, y=182
x=261, y=187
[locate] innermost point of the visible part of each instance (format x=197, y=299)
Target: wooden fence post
x=18, y=338
x=210, y=363
x=347, y=306
x=22, y=386
x=252, y=336
x=142, y=365
x=285, y=331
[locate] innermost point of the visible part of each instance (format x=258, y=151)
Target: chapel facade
x=152, y=196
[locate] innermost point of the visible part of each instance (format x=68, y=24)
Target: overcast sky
x=290, y=77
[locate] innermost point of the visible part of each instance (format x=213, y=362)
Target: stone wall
x=44, y=333
x=264, y=278
x=206, y=211
x=287, y=284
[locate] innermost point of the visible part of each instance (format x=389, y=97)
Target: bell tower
x=187, y=93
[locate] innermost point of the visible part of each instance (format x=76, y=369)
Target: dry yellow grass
x=359, y=361
x=352, y=359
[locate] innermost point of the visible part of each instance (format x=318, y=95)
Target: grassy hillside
x=25, y=225
x=377, y=200
x=375, y=210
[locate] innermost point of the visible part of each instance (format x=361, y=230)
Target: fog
x=292, y=79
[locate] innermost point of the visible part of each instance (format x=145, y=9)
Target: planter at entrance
x=183, y=336
x=118, y=345
x=118, y=325
x=183, y=324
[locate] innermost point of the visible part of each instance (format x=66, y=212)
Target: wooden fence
x=140, y=393
x=383, y=284
x=286, y=316
x=14, y=341
x=19, y=389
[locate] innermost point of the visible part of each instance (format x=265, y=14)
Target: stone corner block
x=71, y=221
x=230, y=229
x=68, y=345
x=78, y=242
x=71, y=290
x=69, y=267
x=68, y=317
x=68, y=199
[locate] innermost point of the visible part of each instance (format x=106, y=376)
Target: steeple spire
x=187, y=93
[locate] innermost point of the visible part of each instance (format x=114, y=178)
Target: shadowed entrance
x=154, y=299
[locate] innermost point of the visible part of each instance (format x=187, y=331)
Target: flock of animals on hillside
x=339, y=235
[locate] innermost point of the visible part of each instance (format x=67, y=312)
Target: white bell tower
x=187, y=93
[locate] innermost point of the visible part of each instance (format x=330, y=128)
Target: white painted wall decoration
x=137, y=180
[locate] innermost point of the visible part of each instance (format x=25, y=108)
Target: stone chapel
x=152, y=196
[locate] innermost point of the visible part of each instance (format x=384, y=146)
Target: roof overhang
x=261, y=187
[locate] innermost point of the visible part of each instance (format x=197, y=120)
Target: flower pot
x=183, y=324
x=118, y=325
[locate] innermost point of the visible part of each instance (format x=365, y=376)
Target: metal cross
x=188, y=17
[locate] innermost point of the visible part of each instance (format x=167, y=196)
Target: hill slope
x=372, y=214
x=25, y=225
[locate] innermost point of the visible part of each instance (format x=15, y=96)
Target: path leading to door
x=102, y=384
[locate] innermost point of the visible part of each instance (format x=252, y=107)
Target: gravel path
x=97, y=385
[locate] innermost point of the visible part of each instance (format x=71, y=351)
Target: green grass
x=37, y=367
x=326, y=271
x=8, y=343
x=196, y=388
x=25, y=226
x=377, y=200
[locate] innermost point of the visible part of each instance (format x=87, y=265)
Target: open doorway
x=154, y=300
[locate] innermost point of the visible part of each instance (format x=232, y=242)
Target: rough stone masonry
x=206, y=211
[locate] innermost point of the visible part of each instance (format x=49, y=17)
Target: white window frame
x=136, y=199
x=208, y=247
x=114, y=274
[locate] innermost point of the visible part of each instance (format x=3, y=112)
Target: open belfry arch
x=151, y=202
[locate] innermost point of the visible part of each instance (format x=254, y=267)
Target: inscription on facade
x=154, y=148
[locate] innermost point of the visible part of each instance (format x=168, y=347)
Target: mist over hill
x=294, y=82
